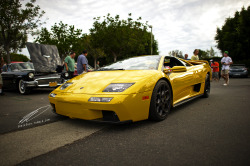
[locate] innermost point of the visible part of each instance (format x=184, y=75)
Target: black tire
x=22, y=89
x=161, y=99
x=207, y=87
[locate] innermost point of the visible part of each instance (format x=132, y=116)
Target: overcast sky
x=177, y=24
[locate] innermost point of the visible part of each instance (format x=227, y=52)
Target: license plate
x=53, y=84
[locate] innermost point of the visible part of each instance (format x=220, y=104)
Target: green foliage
x=121, y=38
x=16, y=22
x=211, y=52
x=203, y=54
x=234, y=36
x=19, y=57
x=64, y=36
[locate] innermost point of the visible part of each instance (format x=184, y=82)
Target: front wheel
x=160, y=101
x=207, y=87
x=22, y=88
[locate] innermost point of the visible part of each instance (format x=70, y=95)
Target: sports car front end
x=113, y=96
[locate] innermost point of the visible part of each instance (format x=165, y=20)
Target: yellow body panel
x=133, y=103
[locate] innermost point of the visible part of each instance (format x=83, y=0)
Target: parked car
x=131, y=90
x=238, y=70
x=22, y=76
x=44, y=71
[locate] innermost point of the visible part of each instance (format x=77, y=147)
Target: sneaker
x=225, y=84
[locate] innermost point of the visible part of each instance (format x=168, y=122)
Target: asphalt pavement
x=205, y=131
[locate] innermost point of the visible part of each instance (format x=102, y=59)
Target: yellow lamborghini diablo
x=134, y=89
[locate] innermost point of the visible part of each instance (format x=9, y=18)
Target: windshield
x=21, y=66
x=135, y=63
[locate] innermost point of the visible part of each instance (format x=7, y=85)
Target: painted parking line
x=26, y=144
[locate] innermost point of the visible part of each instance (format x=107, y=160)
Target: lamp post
x=150, y=26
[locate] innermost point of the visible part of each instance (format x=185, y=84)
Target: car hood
x=45, y=58
x=96, y=82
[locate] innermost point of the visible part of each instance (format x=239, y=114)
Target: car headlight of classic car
x=31, y=75
x=117, y=87
x=64, y=86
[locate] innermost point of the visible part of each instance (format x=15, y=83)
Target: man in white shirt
x=226, y=61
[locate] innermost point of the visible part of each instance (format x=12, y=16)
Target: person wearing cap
x=216, y=69
x=226, y=61
x=195, y=56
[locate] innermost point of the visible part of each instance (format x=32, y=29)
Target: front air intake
x=110, y=116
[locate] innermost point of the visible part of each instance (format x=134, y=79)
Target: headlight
x=31, y=75
x=100, y=99
x=66, y=74
x=117, y=87
x=66, y=85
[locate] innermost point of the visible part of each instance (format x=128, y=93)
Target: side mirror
x=179, y=69
x=175, y=69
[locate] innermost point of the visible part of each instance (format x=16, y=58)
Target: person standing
x=69, y=64
x=195, y=56
x=82, y=63
x=226, y=61
x=216, y=69
x=97, y=65
x=186, y=56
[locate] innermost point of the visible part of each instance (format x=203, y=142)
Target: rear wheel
x=22, y=88
x=160, y=101
x=207, y=87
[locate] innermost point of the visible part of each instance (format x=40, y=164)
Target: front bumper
x=238, y=74
x=44, y=82
x=122, y=108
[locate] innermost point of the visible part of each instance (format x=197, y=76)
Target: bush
x=19, y=57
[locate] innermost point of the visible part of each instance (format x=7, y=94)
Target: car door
x=182, y=81
x=9, y=77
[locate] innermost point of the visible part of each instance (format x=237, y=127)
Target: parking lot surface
x=205, y=131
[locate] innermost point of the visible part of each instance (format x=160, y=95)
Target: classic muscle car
x=42, y=72
x=131, y=90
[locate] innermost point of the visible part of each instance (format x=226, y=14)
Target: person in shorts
x=216, y=70
x=226, y=61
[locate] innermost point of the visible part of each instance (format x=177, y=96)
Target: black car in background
x=44, y=71
x=238, y=70
x=22, y=76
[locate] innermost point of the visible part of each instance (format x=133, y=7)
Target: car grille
x=46, y=81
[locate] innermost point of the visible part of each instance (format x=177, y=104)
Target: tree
x=203, y=54
x=121, y=38
x=19, y=57
x=211, y=52
x=85, y=43
x=234, y=36
x=64, y=36
x=176, y=53
x=16, y=22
